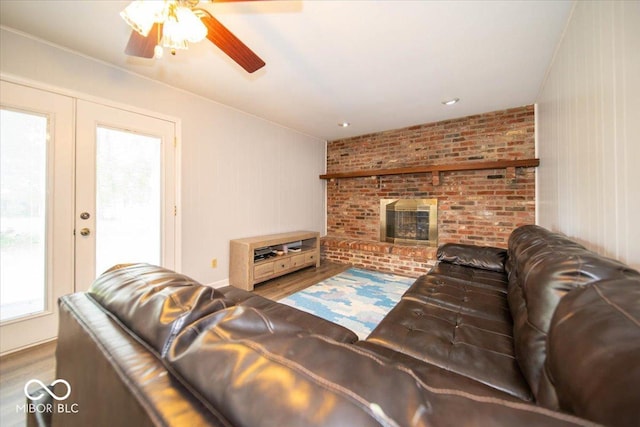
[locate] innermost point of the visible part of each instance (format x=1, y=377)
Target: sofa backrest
x=153, y=302
x=593, y=360
x=543, y=268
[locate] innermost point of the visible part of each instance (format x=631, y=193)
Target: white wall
x=241, y=175
x=589, y=131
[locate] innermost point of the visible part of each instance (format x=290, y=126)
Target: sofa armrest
x=153, y=302
x=114, y=379
x=593, y=353
x=484, y=257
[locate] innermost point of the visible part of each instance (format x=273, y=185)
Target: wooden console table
x=302, y=250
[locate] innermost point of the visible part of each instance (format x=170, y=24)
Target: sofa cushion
x=155, y=303
x=458, y=326
x=435, y=375
x=543, y=267
x=461, y=296
x=261, y=377
x=485, y=257
x=593, y=362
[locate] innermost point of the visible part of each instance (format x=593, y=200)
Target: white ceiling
x=377, y=64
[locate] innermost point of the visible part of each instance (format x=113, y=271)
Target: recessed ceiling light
x=344, y=124
x=451, y=101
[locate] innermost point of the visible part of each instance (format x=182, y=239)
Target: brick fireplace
x=477, y=206
x=409, y=221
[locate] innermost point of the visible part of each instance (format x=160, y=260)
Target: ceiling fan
x=175, y=23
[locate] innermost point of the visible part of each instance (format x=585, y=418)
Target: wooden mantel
x=509, y=165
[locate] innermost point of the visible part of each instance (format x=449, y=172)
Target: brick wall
x=476, y=207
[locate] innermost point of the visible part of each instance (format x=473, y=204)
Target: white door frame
x=41, y=327
x=90, y=116
x=69, y=208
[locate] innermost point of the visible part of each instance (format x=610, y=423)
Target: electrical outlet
x=214, y=263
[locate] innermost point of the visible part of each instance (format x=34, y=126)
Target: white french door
x=125, y=190
x=84, y=186
x=36, y=213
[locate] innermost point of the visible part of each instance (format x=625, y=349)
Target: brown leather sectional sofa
x=544, y=333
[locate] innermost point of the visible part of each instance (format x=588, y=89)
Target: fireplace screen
x=409, y=221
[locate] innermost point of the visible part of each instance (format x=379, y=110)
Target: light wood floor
x=39, y=362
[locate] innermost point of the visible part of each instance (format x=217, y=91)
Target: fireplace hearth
x=409, y=221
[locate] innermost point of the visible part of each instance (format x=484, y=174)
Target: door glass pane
x=128, y=204
x=23, y=190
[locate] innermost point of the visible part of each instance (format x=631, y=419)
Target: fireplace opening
x=409, y=221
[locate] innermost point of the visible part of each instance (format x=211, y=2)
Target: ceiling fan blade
x=142, y=46
x=219, y=35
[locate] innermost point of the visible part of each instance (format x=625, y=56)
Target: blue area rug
x=356, y=299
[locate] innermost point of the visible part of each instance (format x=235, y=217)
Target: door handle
x=85, y=232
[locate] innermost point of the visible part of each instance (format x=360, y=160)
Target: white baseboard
x=219, y=283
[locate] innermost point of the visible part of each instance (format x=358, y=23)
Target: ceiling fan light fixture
x=174, y=23
x=180, y=24
x=141, y=15
x=190, y=26
x=172, y=35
